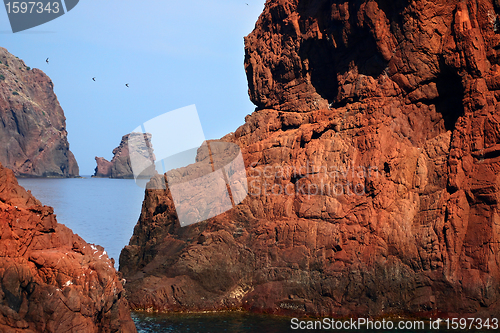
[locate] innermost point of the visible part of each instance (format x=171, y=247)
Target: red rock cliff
x=373, y=161
x=33, y=137
x=51, y=280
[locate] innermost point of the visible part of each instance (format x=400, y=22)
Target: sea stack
x=32, y=123
x=373, y=164
x=51, y=280
x=120, y=166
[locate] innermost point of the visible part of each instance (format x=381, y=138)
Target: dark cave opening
x=451, y=94
x=339, y=50
x=322, y=66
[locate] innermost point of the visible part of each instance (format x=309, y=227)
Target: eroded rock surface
x=120, y=166
x=373, y=167
x=51, y=280
x=33, y=137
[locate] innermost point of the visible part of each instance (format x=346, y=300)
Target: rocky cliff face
x=120, y=166
x=51, y=280
x=373, y=164
x=33, y=133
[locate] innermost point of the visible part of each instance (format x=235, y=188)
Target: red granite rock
x=373, y=163
x=103, y=168
x=52, y=280
x=32, y=123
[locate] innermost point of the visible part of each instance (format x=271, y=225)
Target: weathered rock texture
x=33, y=137
x=51, y=280
x=373, y=163
x=120, y=166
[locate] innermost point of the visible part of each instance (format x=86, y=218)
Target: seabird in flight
x=47, y=60
x=126, y=84
x=93, y=78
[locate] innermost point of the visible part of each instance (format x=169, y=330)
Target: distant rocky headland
x=120, y=166
x=32, y=124
x=373, y=164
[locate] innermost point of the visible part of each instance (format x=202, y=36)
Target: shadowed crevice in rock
x=445, y=93
x=450, y=102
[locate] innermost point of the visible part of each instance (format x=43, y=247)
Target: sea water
x=247, y=322
x=210, y=322
x=100, y=210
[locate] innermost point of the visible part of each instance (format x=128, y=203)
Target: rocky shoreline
x=52, y=280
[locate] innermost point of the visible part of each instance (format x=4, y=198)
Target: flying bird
x=93, y=78
x=126, y=84
x=47, y=60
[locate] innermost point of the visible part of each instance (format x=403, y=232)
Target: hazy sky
x=171, y=53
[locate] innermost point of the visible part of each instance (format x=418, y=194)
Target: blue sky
x=171, y=53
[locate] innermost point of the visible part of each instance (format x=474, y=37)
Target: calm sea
x=104, y=211
x=100, y=210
